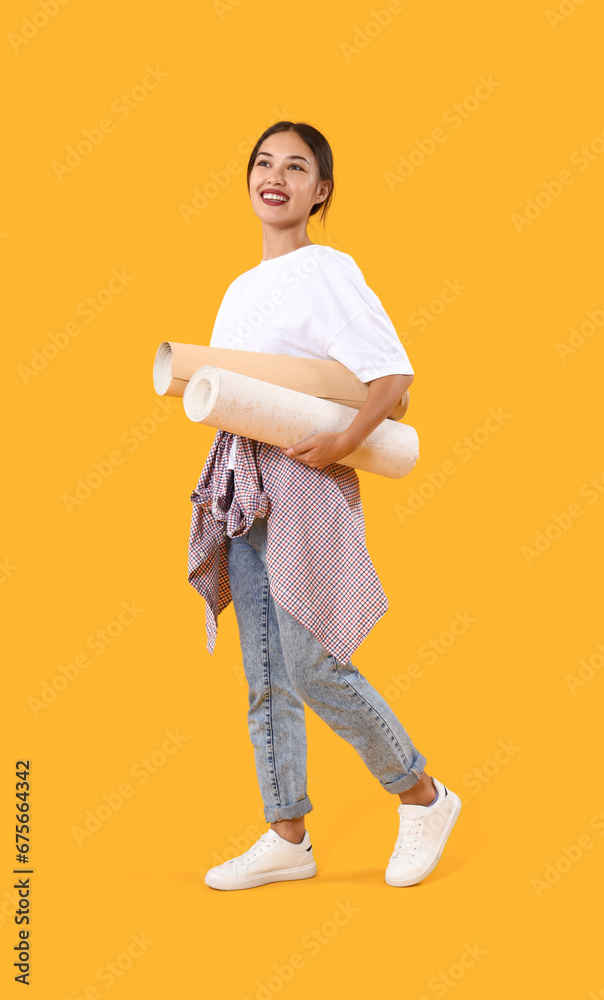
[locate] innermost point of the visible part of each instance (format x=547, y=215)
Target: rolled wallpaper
x=281, y=416
x=325, y=379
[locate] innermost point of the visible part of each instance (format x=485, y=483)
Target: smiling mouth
x=274, y=199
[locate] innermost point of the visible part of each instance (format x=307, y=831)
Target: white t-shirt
x=312, y=302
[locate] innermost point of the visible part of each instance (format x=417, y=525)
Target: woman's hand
x=326, y=447
x=321, y=449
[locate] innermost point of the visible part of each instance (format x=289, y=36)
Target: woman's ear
x=323, y=190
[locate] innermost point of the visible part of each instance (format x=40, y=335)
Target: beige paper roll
x=279, y=416
x=326, y=379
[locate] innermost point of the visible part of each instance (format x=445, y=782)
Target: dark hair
x=320, y=147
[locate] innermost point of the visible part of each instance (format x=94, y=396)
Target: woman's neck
x=277, y=242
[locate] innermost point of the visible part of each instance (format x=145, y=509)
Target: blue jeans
x=286, y=666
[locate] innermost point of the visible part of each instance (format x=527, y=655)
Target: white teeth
x=274, y=197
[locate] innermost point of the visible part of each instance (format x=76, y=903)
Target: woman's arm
x=383, y=395
x=326, y=447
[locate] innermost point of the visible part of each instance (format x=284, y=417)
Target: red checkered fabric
x=318, y=564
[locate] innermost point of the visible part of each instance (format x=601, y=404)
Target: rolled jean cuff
x=273, y=814
x=408, y=780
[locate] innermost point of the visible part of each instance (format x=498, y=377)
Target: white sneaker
x=423, y=833
x=270, y=859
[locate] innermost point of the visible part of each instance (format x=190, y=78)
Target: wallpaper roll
x=326, y=379
x=280, y=416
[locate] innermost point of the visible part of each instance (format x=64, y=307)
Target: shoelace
x=407, y=840
x=256, y=849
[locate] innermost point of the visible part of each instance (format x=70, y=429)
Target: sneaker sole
x=420, y=876
x=284, y=875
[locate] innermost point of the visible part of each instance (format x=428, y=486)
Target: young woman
x=280, y=531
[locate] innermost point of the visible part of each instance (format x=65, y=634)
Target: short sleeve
x=369, y=347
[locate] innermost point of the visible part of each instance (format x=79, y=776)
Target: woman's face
x=285, y=164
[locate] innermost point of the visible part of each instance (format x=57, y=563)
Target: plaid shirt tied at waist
x=318, y=564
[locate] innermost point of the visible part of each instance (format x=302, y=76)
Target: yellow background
x=230, y=73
